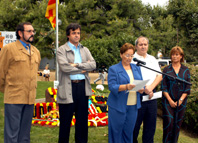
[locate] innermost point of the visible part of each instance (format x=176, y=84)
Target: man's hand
x=150, y=95
x=141, y=91
x=148, y=90
x=73, y=65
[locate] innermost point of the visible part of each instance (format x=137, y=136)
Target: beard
x=28, y=40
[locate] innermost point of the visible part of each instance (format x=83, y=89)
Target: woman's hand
x=130, y=86
x=172, y=103
x=141, y=91
x=180, y=102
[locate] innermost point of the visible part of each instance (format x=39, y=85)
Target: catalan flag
x=51, y=12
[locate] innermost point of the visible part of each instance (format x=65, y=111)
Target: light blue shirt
x=24, y=44
x=77, y=59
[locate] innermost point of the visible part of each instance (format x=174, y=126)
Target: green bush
x=106, y=50
x=191, y=114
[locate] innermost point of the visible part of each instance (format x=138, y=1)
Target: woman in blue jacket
x=123, y=105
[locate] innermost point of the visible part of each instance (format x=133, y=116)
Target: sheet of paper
x=139, y=84
x=155, y=96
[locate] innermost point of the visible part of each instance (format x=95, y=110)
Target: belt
x=77, y=81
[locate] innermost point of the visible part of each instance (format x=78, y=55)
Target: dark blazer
x=117, y=75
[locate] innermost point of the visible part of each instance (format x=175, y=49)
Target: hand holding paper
x=139, y=84
x=156, y=95
x=130, y=86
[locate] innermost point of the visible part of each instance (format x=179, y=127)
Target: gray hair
x=136, y=41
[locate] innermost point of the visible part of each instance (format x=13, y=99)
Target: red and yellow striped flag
x=51, y=12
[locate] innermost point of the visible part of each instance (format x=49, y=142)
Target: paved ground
x=93, y=76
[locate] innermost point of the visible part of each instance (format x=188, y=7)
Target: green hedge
x=191, y=114
x=106, y=51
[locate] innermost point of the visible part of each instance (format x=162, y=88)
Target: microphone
x=138, y=61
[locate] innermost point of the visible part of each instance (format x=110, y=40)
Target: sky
x=155, y=2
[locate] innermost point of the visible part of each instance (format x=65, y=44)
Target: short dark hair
x=72, y=26
x=20, y=27
x=126, y=47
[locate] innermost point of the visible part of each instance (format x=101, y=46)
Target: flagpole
x=57, y=68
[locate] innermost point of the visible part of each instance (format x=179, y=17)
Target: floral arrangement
x=100, y=102
x=94, y=120
x=43, y=108
x=99, y=99
x=53, y=93
x=98, y=119
x=47, y=114
x=51, y=118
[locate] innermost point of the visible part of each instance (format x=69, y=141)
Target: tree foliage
x=106, y=51
x=185, y=14
x=105, y=23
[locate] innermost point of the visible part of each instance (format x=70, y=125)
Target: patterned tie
x=28, y=49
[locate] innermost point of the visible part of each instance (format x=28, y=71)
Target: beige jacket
x=18, y=73
x=65, y=56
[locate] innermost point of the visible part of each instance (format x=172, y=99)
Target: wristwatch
x=181, y=99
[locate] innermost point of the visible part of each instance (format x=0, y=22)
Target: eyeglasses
x=128, y=56
x=30, y=31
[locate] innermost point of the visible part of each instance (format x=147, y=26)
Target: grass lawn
x=96, y=134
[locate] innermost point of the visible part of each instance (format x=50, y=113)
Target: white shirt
x=46, y=71
x=152, y=63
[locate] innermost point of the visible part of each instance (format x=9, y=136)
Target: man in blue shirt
x=75, y=61
x=19, y=62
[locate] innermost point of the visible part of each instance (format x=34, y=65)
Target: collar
x=140, y=57
x=24, y=44
x=121, y=69
x=67, y=47
x=72, y=45
x=134, y=69
x=171, y=66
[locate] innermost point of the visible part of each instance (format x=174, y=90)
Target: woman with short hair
x=123, y=105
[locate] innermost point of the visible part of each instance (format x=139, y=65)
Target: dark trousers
x=148, y=115
x=169, y=115
x=18, y=120
x=80, y=107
